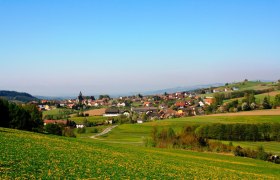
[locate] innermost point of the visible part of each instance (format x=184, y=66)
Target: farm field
x=29, y=155
x=267, y=112
x=136, y=133
x=96, y=112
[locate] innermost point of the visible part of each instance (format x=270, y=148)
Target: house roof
x=180, y=103
x=56, y=122
x=144, y=109
x=112, y=111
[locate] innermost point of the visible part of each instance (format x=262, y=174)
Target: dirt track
x=251, y=113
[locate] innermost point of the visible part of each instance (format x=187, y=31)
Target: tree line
x=23, y=117
x=240, y=132
x=190, y=139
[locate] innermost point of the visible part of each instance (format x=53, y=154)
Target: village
x=137, y=108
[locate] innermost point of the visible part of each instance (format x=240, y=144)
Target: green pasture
x=26, y=155
x=58, y=111
x=97, y=119
x=269, y=146
x=90, y=131
x=136, y=133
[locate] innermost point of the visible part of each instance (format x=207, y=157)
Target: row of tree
x=24, y=117
x=240, y=132
x=189, y=139
x=247, y=103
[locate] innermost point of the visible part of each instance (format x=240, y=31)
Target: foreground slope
x=32, y=156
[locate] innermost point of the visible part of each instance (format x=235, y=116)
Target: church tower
x=80, y=98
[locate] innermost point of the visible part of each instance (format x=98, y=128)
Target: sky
x=62, y=47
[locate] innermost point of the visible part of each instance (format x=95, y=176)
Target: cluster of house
x=155, y=107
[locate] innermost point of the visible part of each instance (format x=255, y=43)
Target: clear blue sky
x=57, y=47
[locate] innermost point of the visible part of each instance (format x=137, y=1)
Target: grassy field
x=25, y=155
x=58, y=111
x=259, y=97
x=273, y=147
x=96, y=119
x=90, y=131
x=135, y=133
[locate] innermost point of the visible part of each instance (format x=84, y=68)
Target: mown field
x=25, y=155
x=96, y=119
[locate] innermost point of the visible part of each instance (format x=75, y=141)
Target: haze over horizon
x=58, y=48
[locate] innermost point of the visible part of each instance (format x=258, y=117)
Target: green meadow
x=135, y=133
x=26, y=155
x=96, y=119
x=273, y=147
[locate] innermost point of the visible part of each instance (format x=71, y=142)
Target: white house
x=201, y=103
x=121, y=104
x=80, y=126
x=140, y=121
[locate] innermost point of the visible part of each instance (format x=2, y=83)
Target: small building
x=112, y=112
x=140, y=121
x=80, y=126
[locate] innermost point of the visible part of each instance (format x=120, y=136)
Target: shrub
x=81, y=130
x=68, y=132
x=53, y=129
x=94, y=130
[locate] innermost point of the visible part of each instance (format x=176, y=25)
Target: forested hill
x=17, y=96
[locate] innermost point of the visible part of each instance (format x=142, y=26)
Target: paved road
x=107, y=130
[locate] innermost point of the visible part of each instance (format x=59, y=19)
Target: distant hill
x=55, y=97
x=17, y=96
x=180, y=89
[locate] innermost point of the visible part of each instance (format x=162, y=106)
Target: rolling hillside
x=17, y=96
x=27, y=155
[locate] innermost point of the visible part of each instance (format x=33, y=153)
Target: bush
x=81, y=130
x=53, y=129
x=94, y=130
x=68, y=132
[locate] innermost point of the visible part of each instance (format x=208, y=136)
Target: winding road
x=107, y=130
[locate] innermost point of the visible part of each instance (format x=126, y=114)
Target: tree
x=53, y=129
x=266, y=104
x=19, y=118
x=104, y=96
x=35, y=116
x=245, y=106
x=4, y=113
x=219, y=97
x=140, y=96
x=277, y=100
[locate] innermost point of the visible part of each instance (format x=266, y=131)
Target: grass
x=135, y=133
x=25, y=155
x=259, y=97
x=90, y=131
x=271, y=96
x=97, y=119
x=58, y=111
x=250, y=85
x=273, y=147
